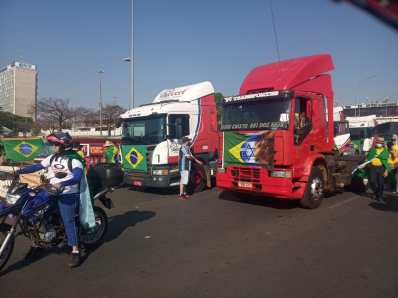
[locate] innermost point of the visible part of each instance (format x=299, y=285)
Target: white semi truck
x=152, y=136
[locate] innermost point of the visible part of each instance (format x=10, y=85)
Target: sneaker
x=33, y=253
x=74, y=259
x=382, y=201
x=181, y=197
x=186, y=196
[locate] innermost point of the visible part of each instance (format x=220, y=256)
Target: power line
x=275, y=32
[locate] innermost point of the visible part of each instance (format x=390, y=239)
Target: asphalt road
x=216, y=245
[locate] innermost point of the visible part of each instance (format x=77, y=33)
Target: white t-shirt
x=59, y=168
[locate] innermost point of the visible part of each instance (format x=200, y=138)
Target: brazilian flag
x=134, y=157
x=22, y=149
x=239, y=148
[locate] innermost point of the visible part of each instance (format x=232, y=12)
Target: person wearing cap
x=379, y=168
x=110, y=152
x=78, y=148
x=393, y=162
x=184, y=165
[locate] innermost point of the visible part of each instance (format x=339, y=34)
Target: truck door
x=304, y=140
x=178, y=127
x=302, y=120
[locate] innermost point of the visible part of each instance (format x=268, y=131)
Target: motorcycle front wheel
x=9, y=246
x=94, y=236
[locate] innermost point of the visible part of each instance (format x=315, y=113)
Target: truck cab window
x=302, y=119
x=178, y=126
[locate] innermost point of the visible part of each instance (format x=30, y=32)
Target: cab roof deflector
x=286, y=74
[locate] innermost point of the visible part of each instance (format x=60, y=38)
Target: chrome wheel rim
x=316, y=188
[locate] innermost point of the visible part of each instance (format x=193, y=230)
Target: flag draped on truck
x=22, y=149
x=134, y=157
x=251, y=148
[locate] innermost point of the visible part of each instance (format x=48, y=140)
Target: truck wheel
x=315, y=190
x=357, y=185
x=197, y=180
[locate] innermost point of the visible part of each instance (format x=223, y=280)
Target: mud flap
x=208, y=176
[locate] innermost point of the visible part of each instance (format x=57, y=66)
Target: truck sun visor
x=250, y=96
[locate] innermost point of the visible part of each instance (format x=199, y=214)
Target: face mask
x=379, y=145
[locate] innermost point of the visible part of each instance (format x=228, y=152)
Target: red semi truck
x=277, y=134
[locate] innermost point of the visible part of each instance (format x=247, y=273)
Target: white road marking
x=342, y=203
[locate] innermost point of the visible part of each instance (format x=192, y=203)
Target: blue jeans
x=69, y=209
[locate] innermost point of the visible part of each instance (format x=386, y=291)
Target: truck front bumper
x=140, y=179
x=255, y=180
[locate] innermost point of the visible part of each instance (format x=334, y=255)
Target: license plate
x=137, y=183
x=245, y=184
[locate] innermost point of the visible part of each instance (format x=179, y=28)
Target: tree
x=85, y=117
x=111, y=115
x=54, y=113
x=15, y=122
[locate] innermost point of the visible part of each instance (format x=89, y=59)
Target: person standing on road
x=393, y=162
x=78, y=148
x=110, y=152
x=184, y=165
x=379, y=168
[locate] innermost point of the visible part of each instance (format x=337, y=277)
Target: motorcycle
x=33, y=213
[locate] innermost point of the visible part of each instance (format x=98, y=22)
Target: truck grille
x=246, y=174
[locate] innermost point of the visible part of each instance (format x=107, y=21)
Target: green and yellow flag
x=134, y=157
x=22, y=149
x=249, y=149
x=239, y=148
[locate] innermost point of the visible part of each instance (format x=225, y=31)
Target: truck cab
x=278, y=132
x=152, y=136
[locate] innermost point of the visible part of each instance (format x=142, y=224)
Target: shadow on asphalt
x=156, y=191
x=258, y=200
x=119, y=223
x=116, y=226
x=41, y=255
x=391, y=206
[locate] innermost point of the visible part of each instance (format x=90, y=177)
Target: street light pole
x=131, y=82
x=130, y=60
x=100, y=72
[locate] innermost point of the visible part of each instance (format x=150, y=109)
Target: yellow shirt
x=391, y=160
x=376, y=161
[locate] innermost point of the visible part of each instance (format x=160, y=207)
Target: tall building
x=18, y=89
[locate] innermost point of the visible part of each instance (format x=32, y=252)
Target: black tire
x=10, y=245
x=357, y=186
x=93, y=237
x=197, y=179
x=315, y=190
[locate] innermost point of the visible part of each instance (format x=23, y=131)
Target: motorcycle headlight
x=12, y=199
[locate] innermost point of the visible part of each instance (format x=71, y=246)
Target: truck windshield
x=386, y=130
x=360, y=133
x=145, y=131
x=262, y=114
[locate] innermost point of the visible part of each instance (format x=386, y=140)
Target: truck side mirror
x=179, y=131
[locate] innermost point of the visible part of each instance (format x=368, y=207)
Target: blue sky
x=179, y=42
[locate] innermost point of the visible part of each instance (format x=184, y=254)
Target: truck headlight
x=281, y=174
x=162, y=172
